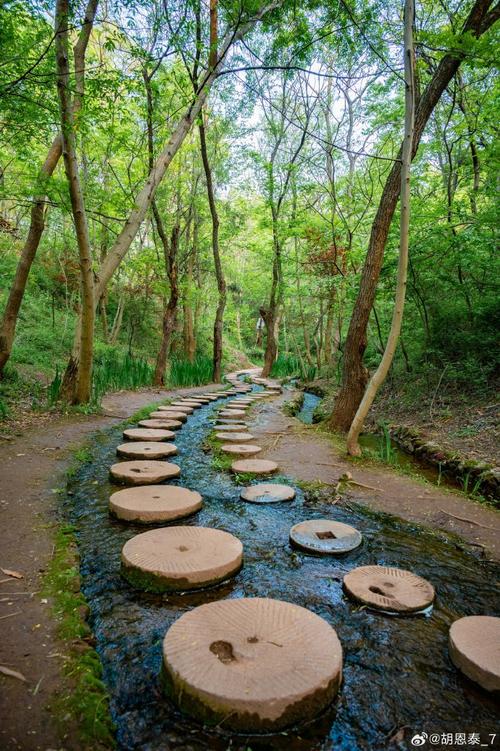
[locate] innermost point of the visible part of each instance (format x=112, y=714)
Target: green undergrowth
x=83, y=703
x=186, y=373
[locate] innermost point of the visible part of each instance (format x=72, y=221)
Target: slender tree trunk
x=83, y=390
x=117, y=322
x=37, y=219
x=219, y=273
x=170, y=310
x=271, y=315
x=380, y=374
x=187, y=309
x=355, y=375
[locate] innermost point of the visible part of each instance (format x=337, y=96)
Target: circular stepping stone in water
x=254, y=466
x=230, y=421
x=161, y=424
x=191, y=403
x=183, y=407
x=268, y=493
x=180, y=558
x=232, y=413
x=230, y=425
x=148, y=434
x=474, y=649
x=242, y=449
x=146, y=450
x=254, y=664
x=144, y=472
x=170, y=415
x=211, y=397
x=391, y=589
x=325, y=536
x=154, y=503
x=234, y=437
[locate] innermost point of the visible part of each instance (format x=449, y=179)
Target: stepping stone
x=144, y=472
x=180, y=558
x=211, y=397
x=232, y=413
x=183, y=409
x=242, y=449
x=161, y=424
x=268, y=493
x=170, y=415
x=181, y=406
x=230, y=425
x=253, y=664
x=151, y=504
x=191, y=403
x=148, y=434
x=197, y=399
x=474, y=644
x=238, y=405
x=234, y=437
x=325, y=536
x=391, y=589
x=146, y=450
x=254, y=466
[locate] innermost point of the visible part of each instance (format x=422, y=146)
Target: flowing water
x=396, y=669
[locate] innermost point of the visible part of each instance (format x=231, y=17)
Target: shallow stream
x=396, y=669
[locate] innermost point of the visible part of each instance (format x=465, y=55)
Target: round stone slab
x=391, y=589
x=255, y=664
x=230, y=421
x=180, y=558
x=161, y=424
x=191, y=403
x=146, y=450
x=146, y=472
x=268, y=493
x=474, y=644
x=150, y=504
x=229, y=425
x=232, y=413
x=168, y=415
x=181, y=406
x=234, y=437
x=242, y=449
x=148, y=434
x=325, y=536
x=254, y=466
x=184, y=409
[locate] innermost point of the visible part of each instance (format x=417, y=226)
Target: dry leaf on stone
x=12, y=673
x=9, y=572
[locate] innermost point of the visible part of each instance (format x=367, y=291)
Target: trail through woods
x=33, y=471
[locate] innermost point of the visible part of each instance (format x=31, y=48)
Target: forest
x=184, y=187
x=249, y=315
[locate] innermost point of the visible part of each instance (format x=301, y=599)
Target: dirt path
x=309, y=455
x=31, y=469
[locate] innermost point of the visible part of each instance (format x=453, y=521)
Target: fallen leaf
x=12, y=673
x=15, y=574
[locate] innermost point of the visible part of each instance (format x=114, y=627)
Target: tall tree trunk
x=354, y=374
x=187, y=308
x=271, y=315
x=170, y=310
x=82, y=393
x=219, y=273
x=37, y=219
x=380, y=374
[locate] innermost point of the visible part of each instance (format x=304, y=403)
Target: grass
x=291, y=365
x=84, y=703
x=186, y=373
